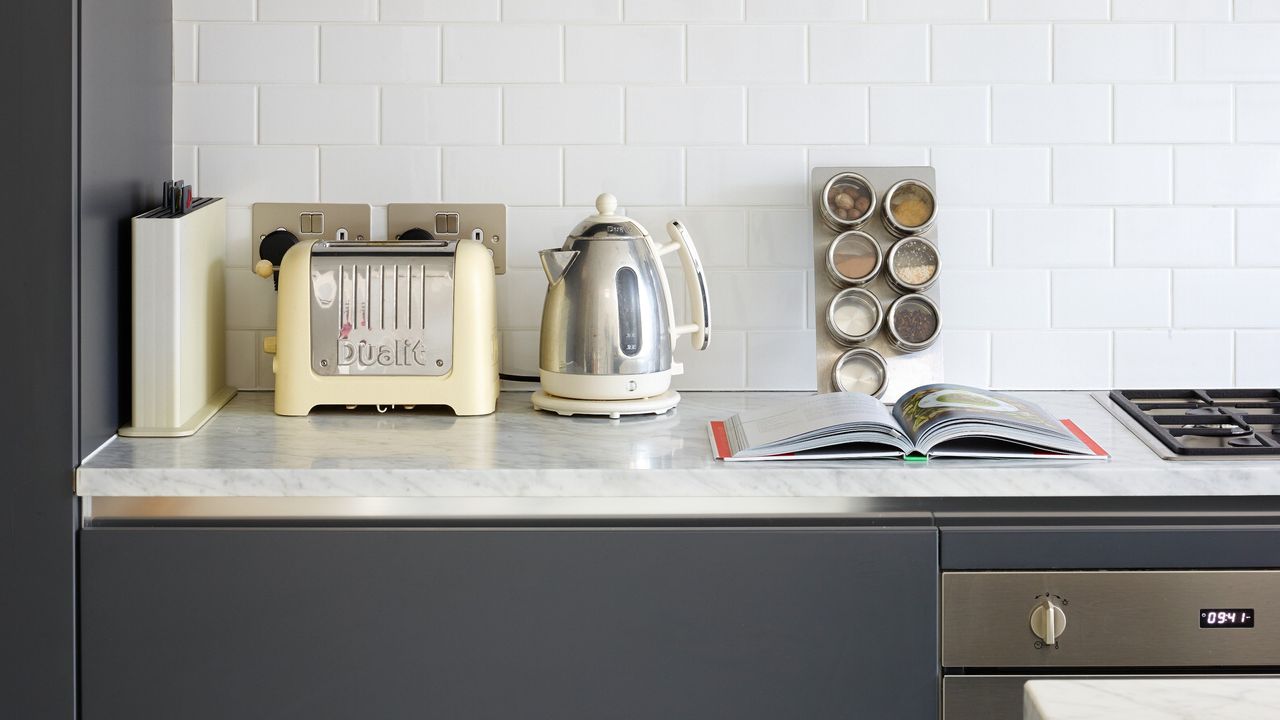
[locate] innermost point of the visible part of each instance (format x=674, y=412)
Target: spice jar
x=860, y=370
x=854, y=315
x=854, y=259
x=914, y=322
x=910, y=208
x=848, y=200
x=913, y=264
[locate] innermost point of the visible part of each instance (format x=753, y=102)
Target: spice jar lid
x=854, y=315
x=854, y=258
x=910, y=207
x=913, y=264
x=848, y=200
x=860, y=370
x=914, y=322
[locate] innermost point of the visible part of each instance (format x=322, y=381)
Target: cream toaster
x=404, y=322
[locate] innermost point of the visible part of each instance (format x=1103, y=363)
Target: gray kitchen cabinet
x=651, y=623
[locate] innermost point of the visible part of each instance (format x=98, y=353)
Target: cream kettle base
x=656, y=405
x=606, y=387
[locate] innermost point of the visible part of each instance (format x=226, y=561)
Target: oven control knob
x=1048, y=621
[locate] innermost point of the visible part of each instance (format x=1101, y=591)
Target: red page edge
x=1083, y=437
x=721, y=438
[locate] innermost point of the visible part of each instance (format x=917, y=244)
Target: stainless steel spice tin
x=913, y=263
x=854, y=259
x=854, y=315
x=848, y=200
x=910, y=208
x=913, y=322
x=860, y=370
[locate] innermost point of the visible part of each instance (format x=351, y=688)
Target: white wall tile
x=1052, y=238
x=383, y=54
x=786, y=360
x=251, y=301
x=686, y=115
x=719, y=234
x=1257, y=10
x=214, y=114
x=1112, y=175
x=1173, y=113
x=443, y=115
x=379, y=175
x=927, y=114
x=217, y=10
x=185, y=166
x=1256, y=354
x=1172, y=10
x=1112, y=53
x=995, y=299
x=561, y=114
x=519, y=355
x=1244, y=298
x=1059, y=114
x=780, y=238
x=868, y=155
x=967, y=357
x=624, y=54
x=722, y=366
x=317, y=10
x=514, y=175
x=992, y=176
x=740, y=54
x=1257, y=107
x=1128, y=298
x=236, y=53
x=1173, y=237
x=682, y=10
x=636, y=175
x=964, y=237
x=242, y=359
x=1228, y=53
x=520, y=294
x=240, y=252
x=787, y=11
x=809, y=114
x=530, y=229
x=1050, y=360
x=991, y=53
x=1024, y=10
x=750, y=176
x=738, y=295
x=1258, y=237
x=246, y=175
x=266, y=370
x=184, y=52
x=1222, y=174
x=561, y=11
x=926, y=10
x=318, y=114
x=1172, y=359
x=502, y=53
x=439, y=10
x=868, y=53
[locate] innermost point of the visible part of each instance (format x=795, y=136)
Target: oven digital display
x=1226, y=617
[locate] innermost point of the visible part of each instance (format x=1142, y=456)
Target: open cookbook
x=929, y=421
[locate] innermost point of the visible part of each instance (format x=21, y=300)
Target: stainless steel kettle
x=608, y=325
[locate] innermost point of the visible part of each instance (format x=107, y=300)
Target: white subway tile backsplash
x=442, y=115
x=624, y=54
x=1139, y=53
x=995, y=299
x=636, y=175
x=964, y=237
x=1228, y=53
x=924, y=114
x=758, y=299
x=440, y=10
x=214, y=114
x=1031, y=10
x=520, y=294
x=720, y=235
x=184, y=52
x=1225, y=298
x=1257, y=237
x=1241, y=175
x=263, y=54
x=379, y=175
x=317, y=10
x=216, y=10
x=520, y=354
x=1256, y=353
x=240, y=251
x=745, y=54
x=682, y=10
x=1173, y=359
x=1257, y=107
x=746, y=176
x=561, y=114
x=926, y=10
x=246, y=175
x=991, y=53
x=185, y=165
x=561, y=11
x=808, y=114
x=1173, y=237
x=1052, y=238
x=241, y=352
x=251, y=301
x=1043, y=114
x=382, y=54
x=967, y=357
x=1173, y=113
x=831, y=155
x=868, y=53
x=787, y=11
x=786, y=360
x=780, y=238
x=1172, y=10
x=984, y=177
x=683, y=115
x=502, y=53
x=1051, y=360
x=514, y=175
x=1257, y=10
x=318, y=114
x=722, y=366
x=1112, y=175
x=1120, y=298
x=530, y=229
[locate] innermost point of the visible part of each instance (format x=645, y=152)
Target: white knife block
x=179, y=326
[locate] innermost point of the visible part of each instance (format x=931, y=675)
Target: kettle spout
x=555, y=262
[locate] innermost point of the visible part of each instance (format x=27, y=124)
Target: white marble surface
x=519, y=452
x=1172, y=699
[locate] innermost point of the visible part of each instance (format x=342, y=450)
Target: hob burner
x=1221, y=424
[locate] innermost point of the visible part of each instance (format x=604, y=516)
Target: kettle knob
x=606, y=204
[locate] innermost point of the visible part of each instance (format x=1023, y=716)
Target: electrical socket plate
x=312, y=221
x=485, y=222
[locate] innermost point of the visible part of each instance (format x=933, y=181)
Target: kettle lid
x=606, y=224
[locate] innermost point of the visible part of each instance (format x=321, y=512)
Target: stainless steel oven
x=1000, y=629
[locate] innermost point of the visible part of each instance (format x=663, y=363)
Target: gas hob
x=1235, y=424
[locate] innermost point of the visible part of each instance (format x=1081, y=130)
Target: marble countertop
x=248, y=451
x=1134, y=699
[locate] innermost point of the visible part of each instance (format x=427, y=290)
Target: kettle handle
x=695, y=282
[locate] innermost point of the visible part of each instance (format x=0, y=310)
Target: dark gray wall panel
x=500, y=624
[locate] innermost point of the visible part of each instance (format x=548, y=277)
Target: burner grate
x=1222, y=423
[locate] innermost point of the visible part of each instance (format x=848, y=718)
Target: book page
x=923, y=409
x=813, y=415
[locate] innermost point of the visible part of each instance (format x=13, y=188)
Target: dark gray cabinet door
x=468, y=624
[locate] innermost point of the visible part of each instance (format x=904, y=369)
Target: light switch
x=305, y=221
